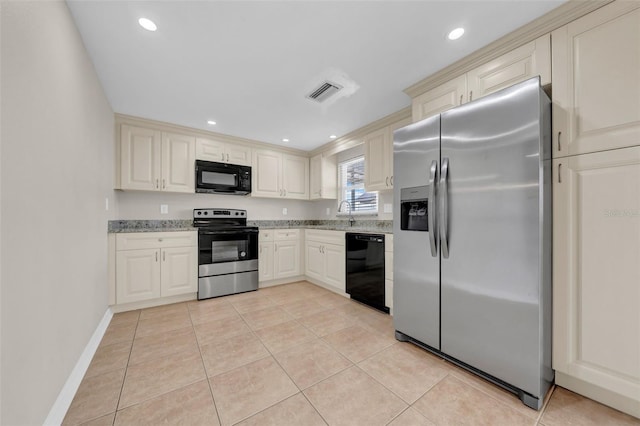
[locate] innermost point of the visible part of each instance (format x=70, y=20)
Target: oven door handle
x=223, y=232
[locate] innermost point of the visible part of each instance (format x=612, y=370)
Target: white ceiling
x=249, y=64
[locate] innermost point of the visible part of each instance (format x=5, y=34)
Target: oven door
x=227, y=251
x=212, y=177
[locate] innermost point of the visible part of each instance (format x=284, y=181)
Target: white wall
x=56, y=169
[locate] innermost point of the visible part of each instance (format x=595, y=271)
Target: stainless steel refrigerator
x=472, y=237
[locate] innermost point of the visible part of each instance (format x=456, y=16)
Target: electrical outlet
x=328, y=211
x=164, y=209
x=284, y=211
x=388, y=208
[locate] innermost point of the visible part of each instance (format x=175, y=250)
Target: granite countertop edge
x=371, y=226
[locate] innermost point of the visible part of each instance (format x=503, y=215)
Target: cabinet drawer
x=328, y=237
x=146, y=240
x=286, y=234
x=266, y=235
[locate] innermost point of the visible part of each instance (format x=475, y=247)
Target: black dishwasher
x=365, y=269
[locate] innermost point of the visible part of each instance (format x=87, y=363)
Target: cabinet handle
x=164, y=256
x=222, y=155
x=391, y=181
x=559, y=133
x=460, y=99
x=163, y=184
x=386, y=181
x=320, y=193
x=470, y=95
x=227, y=158
x=157, y=183
x=160, y=240
x=559, y=178
x=156, y=256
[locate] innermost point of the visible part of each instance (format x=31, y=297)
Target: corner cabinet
x=221, y=152
x=323, y=177
x=596, y=81
x=155, y=265
x=596, y=276
x=325, y=258
x=152, y=160
x=520, y=64
x=279, y=175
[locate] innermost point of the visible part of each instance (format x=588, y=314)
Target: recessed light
x=456, y=34
x=147, y=24
x=285, y=140
x=211, y=122
x=333, y=136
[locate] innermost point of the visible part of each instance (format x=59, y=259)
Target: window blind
x=351, y=174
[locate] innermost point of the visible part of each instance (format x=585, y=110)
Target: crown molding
x=548, y=22
x=169, y=127
x=355, y=137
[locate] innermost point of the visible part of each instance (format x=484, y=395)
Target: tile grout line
x=126, y=369
x=545, y=405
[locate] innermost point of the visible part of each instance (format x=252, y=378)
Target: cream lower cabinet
x=279, y=175
x=152, y=160
x=152, y=265
x=596, y=276
x=596, y=81
x=325, y=257
x=279, y=254
x=522, y=63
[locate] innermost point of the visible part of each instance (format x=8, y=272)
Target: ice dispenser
x=413, y=208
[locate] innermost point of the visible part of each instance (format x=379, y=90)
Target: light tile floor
x=298, y=355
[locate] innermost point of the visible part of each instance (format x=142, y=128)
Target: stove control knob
x=243, y=254
x=237, y=213
x=206, y=213
x=199, y=213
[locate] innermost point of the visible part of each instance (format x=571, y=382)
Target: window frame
x=342, y=189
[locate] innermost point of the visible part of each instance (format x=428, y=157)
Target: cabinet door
x=140, y=158
x=178, y=271
x=287, y=259
x=334, y=266
x=323, y=177
x=265, y=261
x=596, y=272
x=266, y=174
x=209, y=150
x=518, y=65
x=238, y=154
x=315, y=177
x=376, y=153
x=178, y=162
x=137, y=275
x=444, y=97
x=596, y=81
x=392, y=128
x=314, y=260
x=295, y=177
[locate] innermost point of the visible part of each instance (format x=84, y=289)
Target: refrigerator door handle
x=431, y=217
x=444, y=212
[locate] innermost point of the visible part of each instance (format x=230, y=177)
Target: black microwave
x=222, y=178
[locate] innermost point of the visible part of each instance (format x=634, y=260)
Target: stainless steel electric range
x=227, y=252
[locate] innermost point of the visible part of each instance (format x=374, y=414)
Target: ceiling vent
x=324, y=91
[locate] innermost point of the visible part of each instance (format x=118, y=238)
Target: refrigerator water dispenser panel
x=414, y=203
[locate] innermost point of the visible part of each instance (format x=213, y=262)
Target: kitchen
x=48, y=318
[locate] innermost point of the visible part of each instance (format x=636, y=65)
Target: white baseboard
x=65, y=397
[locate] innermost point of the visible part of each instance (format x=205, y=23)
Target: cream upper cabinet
x=323, y=174
x=221, y=152
x=140, y=158
x=295, y=177
x=278, y=175
x=378, y=160
x=178, y=159
x=596, y=81
x=520, y=64
x=156, y=161
x=444, y=97
x=596, y=276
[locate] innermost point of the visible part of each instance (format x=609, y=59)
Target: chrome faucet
x=351, y=219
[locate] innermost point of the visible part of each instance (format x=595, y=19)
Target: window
x=351, y=175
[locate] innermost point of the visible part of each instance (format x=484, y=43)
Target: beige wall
x=56, y=170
